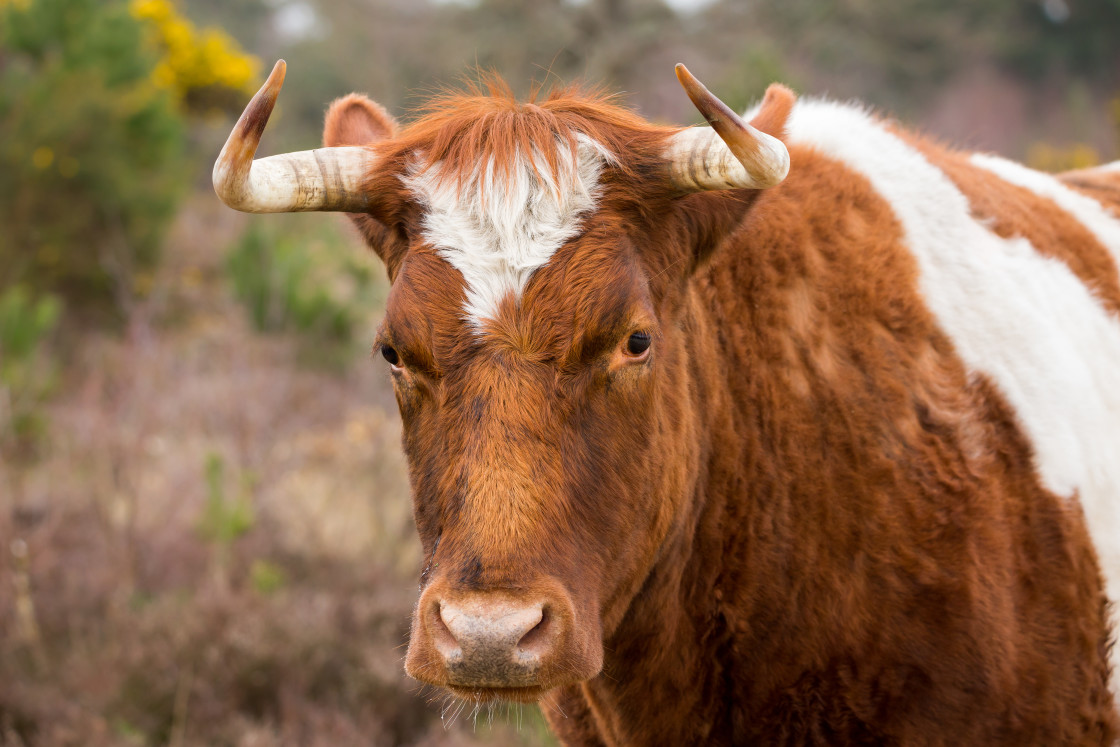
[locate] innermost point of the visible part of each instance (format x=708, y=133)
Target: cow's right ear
x=355, y=120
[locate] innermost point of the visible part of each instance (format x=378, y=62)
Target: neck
x=675, y=633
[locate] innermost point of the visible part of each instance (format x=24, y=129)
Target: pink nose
x=488, y=641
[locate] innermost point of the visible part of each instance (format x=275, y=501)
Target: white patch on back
x=498, y=229
x=1085, y=209
x=1023, y=320
x=1114, y=166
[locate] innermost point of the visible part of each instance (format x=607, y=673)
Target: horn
x=325, y=179
x=742, y=157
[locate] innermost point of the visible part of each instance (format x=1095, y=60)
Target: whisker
x=556, y=704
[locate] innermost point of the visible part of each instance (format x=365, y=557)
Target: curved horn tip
x=714, y=111
x=276, y=78
x=325, y=180
x=691, y=84
x=753, y=159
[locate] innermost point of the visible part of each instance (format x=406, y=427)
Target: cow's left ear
x=773, y=112
x=356, y=120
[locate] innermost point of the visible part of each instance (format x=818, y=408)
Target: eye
x=390, y=355
x=638, y=344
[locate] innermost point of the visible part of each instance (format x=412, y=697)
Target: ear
x=709, y=217
x=355, y=120
x=774, y=111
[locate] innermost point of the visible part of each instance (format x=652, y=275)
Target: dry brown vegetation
x=214, y=544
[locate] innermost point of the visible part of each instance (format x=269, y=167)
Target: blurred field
x=205, y=527
x=217, y=546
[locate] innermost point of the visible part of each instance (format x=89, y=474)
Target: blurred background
x=205, y=528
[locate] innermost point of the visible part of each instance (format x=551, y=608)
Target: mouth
x=485, y=695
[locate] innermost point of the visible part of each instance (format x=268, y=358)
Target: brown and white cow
x=702, y=455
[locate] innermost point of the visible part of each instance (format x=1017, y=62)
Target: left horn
x=325, y=179
x=742, y=158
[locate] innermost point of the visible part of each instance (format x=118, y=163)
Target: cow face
x=533, y=335
x=548, y=446
x=537, y=341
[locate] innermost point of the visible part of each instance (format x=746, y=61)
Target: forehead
x=590, y=290
x=501, y=221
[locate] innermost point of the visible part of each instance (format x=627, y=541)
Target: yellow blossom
x=1046, y=157
x=42, y=157
x=194, y=59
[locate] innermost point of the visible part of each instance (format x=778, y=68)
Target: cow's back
x=1020, y=270
x=931, y=341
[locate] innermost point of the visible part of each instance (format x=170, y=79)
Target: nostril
x=441, y=634
x=535, y=641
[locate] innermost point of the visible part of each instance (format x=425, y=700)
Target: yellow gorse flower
x=193, y=58
x=1046, y=157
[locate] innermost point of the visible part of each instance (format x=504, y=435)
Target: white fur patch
x=497, y=229
x=1021, y=319
x=1114, y=166
x=1086, y=210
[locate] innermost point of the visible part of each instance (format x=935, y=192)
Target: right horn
x=325, y=179
x=742, y=157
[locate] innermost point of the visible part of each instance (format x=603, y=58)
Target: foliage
x=1046, y=157
x=91, y=150
x=755, y=68
x=316, y=286
x=1114, y=112
x=1075, y=37
x=27, y=370
x=200, y=66
x=224, y=519
x=93, y=138
x=266, y=578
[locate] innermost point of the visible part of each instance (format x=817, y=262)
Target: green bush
x=320, y=287
x=225, y=519
x=28, y=372
x=91, y=148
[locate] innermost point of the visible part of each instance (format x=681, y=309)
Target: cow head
x=540, y=257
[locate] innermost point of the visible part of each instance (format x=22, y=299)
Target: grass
x=214, y=544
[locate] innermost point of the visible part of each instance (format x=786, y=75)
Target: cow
x=798, y=428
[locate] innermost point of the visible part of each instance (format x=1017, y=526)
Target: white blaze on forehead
x=498, y=228
x=1024, y=321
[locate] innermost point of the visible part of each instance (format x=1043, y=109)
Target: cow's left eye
x=638, y=344
x=390, y=355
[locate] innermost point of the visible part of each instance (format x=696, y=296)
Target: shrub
x=224, y=519
x=1046, y=157
x=27, y=370
x=202, y=67
x=318, y=287
x=91, y=149
x=93, y=138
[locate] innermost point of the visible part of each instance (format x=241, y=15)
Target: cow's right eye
x=638, y=344
x=390, y=355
